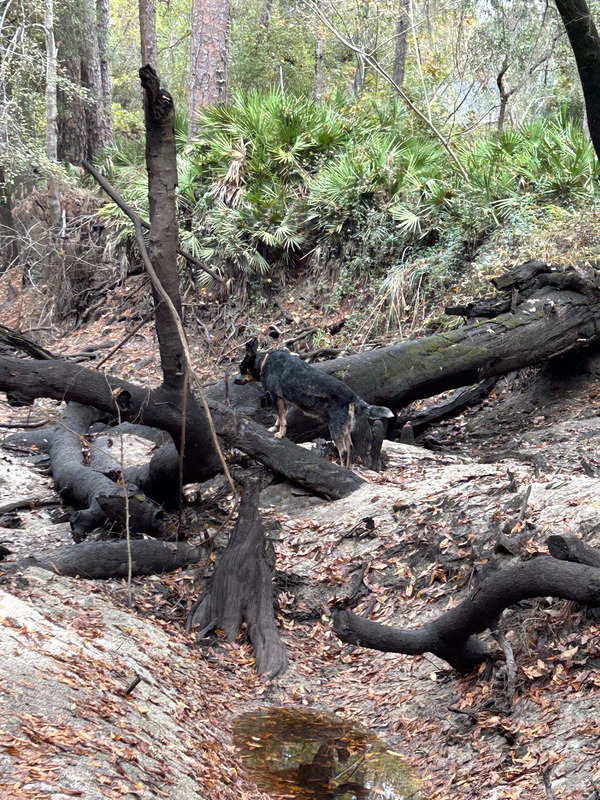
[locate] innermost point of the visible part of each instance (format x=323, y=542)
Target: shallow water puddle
x=308, y=756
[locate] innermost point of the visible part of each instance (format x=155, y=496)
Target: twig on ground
x=25, y=425
x=124, y=340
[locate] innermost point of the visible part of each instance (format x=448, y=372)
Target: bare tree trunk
x=92, y=80
x=161, y=164
x=51, y=110
x=147, y=12
x=504, y=95
x=209, y=57
x=72, y=140
x=103, y=17
x=51, y=83
x=401, y=43
x=82, y=128
x=585, y=42
x=241, y=590
x=359, y=74
x=9, y=250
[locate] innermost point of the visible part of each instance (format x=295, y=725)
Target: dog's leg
x=281, y=424
x=348, y=448
x=340, y=443
x=347, y=434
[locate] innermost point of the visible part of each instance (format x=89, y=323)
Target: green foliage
x=275, y=184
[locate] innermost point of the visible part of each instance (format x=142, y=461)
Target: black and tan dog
x=292, y=382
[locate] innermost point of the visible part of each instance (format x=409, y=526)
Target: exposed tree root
x=102, y=560
x=452, y=636
x=241, y=590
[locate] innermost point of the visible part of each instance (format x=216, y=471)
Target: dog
x=292, y=382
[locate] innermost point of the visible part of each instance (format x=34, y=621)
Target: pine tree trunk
x=92, y=79
x=401, y=43
x=209, y=57
x=103, y=17
x=72, y=132
x=51, y=110
x=82, y=126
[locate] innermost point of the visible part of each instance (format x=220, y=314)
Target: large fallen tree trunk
x=160, y=408
x=556, y=310
x=241, y=590
x=452, y=636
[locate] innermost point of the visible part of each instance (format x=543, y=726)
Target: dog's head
x=249, y=368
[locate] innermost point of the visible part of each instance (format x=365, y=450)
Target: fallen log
x=103, y=560
x=158, y=408
x=19, y=341
x=421, y=419
x=282, y=455
x=558, y=312
x=241, y=590
x=452, y=636
x=80, y=484
x=572, y=548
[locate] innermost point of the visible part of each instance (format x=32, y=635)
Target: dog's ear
x=252, y=347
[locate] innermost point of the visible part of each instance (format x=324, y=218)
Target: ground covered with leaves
x=414, y=541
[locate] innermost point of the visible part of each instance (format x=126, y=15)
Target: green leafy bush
x=274, y=184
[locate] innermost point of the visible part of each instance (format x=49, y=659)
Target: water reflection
x=307, y=756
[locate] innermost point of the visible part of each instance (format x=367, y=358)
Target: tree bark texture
x=105, y=116
x=82, y=127
x=241, y=590
x=400, y=48
x=571, y=548
x=452, y=636
x=72, y=130
x=147, y=14
x=51, y=83
x=209, y=57
x=585, y=43
x=51, y=110
x=161, y=163
x=103, y=560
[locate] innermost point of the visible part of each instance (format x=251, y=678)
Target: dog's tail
x=376, y=412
